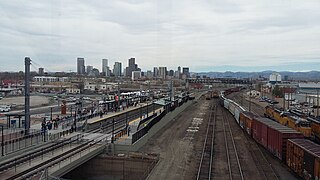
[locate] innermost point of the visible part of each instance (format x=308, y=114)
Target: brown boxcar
x=273, y=136
x=303, y=157
x=245, y=121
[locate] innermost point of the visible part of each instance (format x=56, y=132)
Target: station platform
x=127, y=139
x=67, y=125
x=111, y=114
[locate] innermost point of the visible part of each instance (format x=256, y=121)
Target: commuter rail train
x=288, y=119
x=301, y=155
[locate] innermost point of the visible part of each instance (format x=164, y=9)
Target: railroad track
x=38, y=168
x=234, y=165
x=32, y=155
x=51, y=162
x=11, y=165
x=205, y=166
x=245, y=103
x=264, y=167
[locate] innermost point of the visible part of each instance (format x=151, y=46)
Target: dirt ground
x=19, y=101
x=178, y=157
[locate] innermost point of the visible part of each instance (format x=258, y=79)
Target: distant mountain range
x=299, y=76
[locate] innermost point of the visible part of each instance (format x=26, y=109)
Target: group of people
x=48, y=125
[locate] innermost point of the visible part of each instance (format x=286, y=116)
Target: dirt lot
x=19, y=101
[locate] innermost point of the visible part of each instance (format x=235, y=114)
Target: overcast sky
x=206, y=35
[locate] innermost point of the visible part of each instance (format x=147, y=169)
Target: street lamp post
x=153, y=106
x=250, y=99
x=147, y=110
x=140, y=111
x=75, y=120
x=2, y=141
x=51, y=113
x=112, y=138
x=71, y=111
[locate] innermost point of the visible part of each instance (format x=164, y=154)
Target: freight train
x=212, y=94
x=302, y=156
x=288, y=119
x=314, y=123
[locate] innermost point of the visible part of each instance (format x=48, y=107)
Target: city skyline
x=219, y=36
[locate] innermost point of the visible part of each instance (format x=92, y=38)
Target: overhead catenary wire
x=37, y=66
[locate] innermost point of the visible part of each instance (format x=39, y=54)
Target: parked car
x=272, y=101
x=6, y=106
x=3, y=109
x=86, y=98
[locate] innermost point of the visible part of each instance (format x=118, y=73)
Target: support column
x=27, y=64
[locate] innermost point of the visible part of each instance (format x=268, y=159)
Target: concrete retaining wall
x=113, y=167
x=118, y=148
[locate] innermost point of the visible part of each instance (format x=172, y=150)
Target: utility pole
x=317, y=103
x=27, y=63
x=75, y=119
x=250, y=99
x=284, y=99
x=119, y=95
x=112, y=138
x=2, y=141
x=51, y=113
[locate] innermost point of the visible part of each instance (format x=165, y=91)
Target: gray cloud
x=171, y=33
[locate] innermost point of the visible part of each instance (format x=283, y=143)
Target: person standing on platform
x=129, y=129
x=101, y=114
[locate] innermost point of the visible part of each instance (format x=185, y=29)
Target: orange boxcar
x=246, y=119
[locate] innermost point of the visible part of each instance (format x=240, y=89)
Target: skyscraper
x=149, y=74
x=179, y=73
x=89, y=69
x=131, y=67
x=117, y=69
x=132, y=61
x=163, y=72
x=171, y=73
x=41, y=71
x=80, y=65
x=155, y=72
x=108, y=72
x=104, y=65
x=185, y=71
